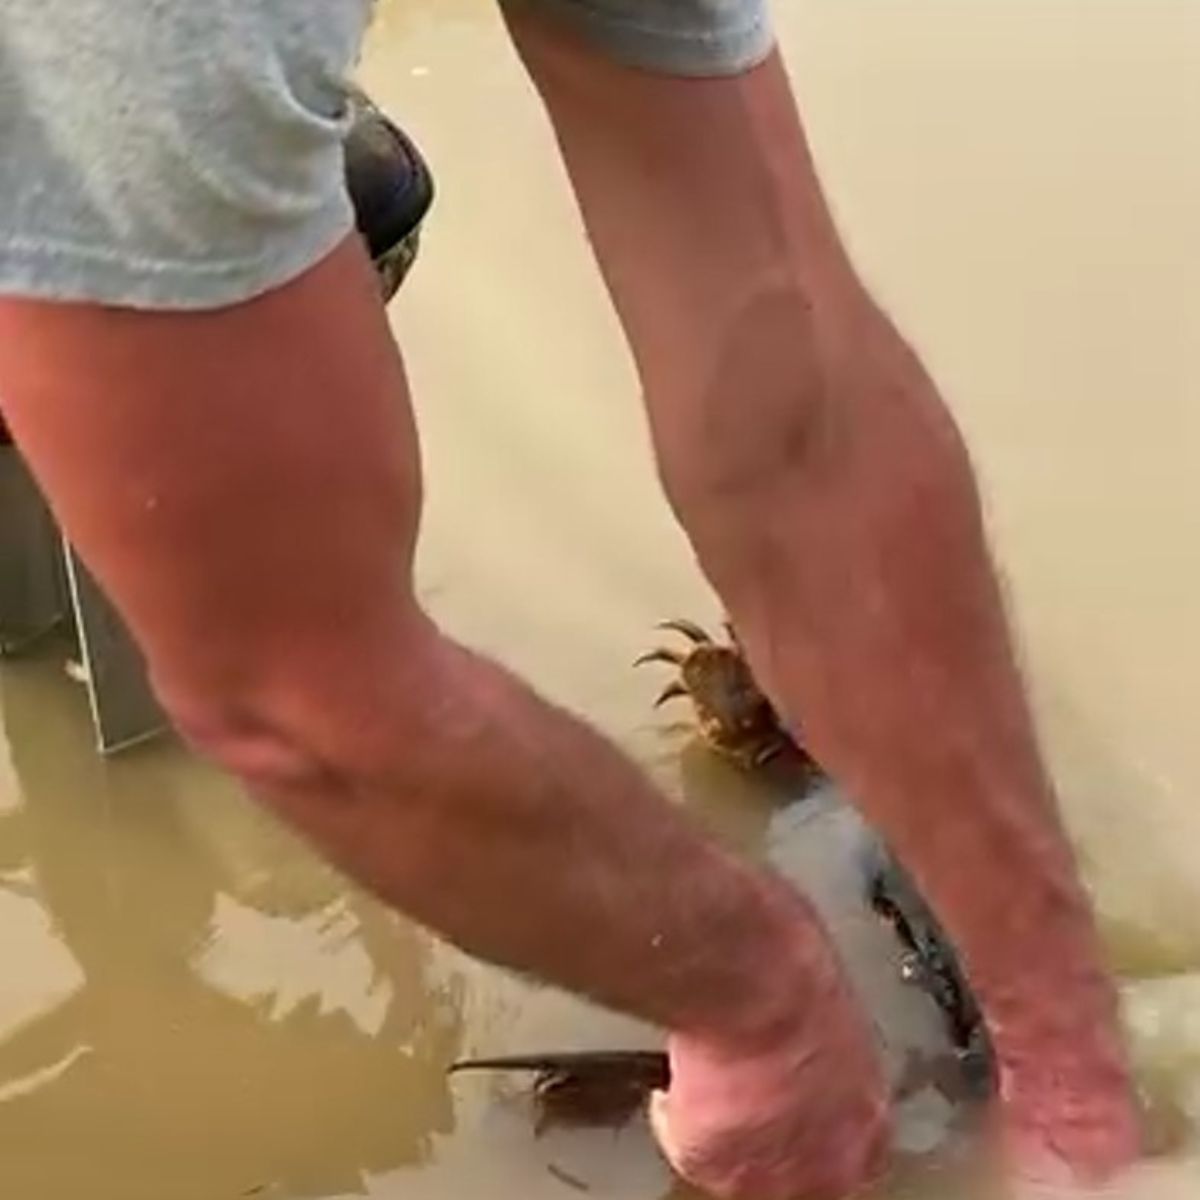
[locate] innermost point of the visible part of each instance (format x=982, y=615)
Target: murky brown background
x=193, y=1006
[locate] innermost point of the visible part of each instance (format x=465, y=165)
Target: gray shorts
x=187, y=153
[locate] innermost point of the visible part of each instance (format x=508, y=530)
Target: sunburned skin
x=606, y=1088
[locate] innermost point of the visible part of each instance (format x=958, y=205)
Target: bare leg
x=832, y=505
x=245, y=483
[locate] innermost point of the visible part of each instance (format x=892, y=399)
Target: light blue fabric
x=683, y=37
x=187, y=153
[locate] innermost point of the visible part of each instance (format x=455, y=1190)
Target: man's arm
x=244, y=483
x=832, y=505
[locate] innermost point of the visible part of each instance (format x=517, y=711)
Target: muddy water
x=194, y=1006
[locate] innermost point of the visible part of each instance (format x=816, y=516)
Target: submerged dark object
x=930, y=962
x=735, y=719
x=584, y=1087
x=607, y=1087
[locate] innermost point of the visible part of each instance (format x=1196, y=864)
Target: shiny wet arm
x=302, y=662
x=831, y=502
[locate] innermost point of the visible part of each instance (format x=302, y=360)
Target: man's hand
x=806, y=1118
x=804, y=1114
x=831, y=502
x=1072, y=1125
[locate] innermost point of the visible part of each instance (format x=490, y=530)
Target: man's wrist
x=793, y=973
x=1069, y=1105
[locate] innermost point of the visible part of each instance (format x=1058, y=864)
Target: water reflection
x=191, y=1007
x=190, y=1019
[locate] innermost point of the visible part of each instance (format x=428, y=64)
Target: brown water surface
x=194, y=1006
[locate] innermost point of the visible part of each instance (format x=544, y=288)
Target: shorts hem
x=71, y=273
x=697, y=52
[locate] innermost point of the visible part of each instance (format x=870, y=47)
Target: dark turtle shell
x=929, y=959
x=390, y=187
x=605, y=1087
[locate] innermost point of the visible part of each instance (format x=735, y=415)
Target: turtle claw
x=772, y=750
x=689, y=629
x=602, y=1087
x=661, y=655
x=733, y=715
x=673, y=690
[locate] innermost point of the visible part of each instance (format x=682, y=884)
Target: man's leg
x=245, y=484
x=831, y=503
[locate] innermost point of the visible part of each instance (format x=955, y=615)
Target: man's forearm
x=831, y=503
x=868, y=606
x=509, y=807
x=304, y=665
